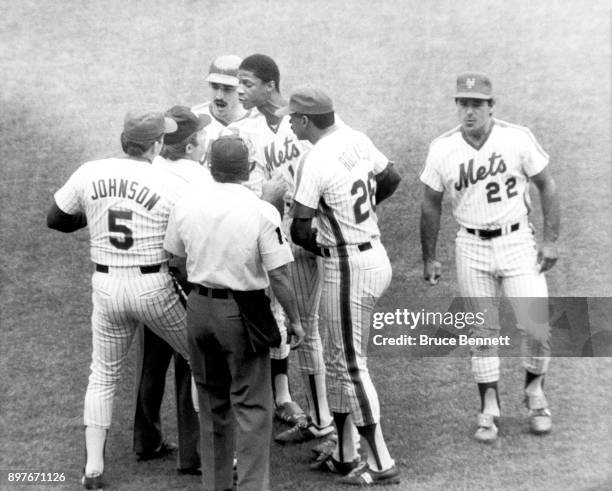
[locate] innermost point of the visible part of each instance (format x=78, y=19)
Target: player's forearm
x=64, y=222
x=551, y=210
x=302, y=234
x=281, y=286
x=430, y=226
x=387, y=183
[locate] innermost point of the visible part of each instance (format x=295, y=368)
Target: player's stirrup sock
x=317, y=400
x=489, y=398
x=379, y=458
x=534, y=383
x=280, y=381
x=95, y=442
x=346, y=450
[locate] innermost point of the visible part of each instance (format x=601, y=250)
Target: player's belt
x=327, y=252
x=154, y=268
x=496, y=232
x=214, y=292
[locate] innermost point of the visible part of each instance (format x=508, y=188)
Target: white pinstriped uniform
x=337, y=179
x=280, y=151
x=488, y=187
x=216, y=128
x=127, y=203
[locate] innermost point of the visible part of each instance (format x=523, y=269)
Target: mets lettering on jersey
x=337, y=178
x=487, y=185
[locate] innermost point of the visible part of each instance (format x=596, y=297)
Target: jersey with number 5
x=337, y=178
x=487, y=185
x=127, y=203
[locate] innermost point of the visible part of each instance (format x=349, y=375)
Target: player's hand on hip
x=432, y=270
x=295, y=334
x=547, y=256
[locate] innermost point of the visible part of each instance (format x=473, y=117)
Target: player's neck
x=318, y=134
x=270, y=107
x=238, y=113
x=478, y=136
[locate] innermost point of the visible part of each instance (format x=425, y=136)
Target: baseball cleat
x=95, y=481
x=329, y=464
x=166, y=448
x=303, y=432
x=290, y=413
x=326, y=447
x=487, y=431
x=539, y=416
x=364, y=476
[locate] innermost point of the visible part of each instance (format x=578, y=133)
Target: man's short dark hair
x=263, y=67
x=176, y=151
x=490, y=101
x=322, y=121
x=137, y=149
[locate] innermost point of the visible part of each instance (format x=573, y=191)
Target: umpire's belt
x=343, y=250
x=214, y=292
x=496, y=232
x=153, y=268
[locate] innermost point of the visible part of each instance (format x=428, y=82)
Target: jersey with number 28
x=127, y=203
x=487, y=185
x=337, y=179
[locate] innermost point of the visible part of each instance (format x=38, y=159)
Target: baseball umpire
x=180, y=157
x=126, y=203
x=485, y=165
x=341, y=180
x=234, y=248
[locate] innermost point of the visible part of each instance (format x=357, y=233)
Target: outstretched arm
x=551, y=210
x=431, y=211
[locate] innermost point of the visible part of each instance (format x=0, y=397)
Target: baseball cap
x=224, y=70
x=229, y=158
x=187, y=122
x=146, y=125
x=474, y=85
x=307, y=100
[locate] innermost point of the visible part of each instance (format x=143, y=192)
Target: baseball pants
x=353, y=281
x=508, y=262
x=122, y=298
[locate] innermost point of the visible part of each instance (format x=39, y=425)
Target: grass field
x=71, y=69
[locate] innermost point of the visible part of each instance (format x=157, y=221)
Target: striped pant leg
x=112, y=334
x=352, y=285
x=527, y=292
x=306, y=281
x=158, y=305
x=479, y=288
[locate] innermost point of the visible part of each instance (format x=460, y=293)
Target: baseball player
x=126, y=203
x=280, y=151
x=485, y=165
x=342, y=180
x=180, y=159
x=228, y=116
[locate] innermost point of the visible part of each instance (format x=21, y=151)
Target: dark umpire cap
x=224, y=70
x=187, y=122
x=474, y=85
x=146, y=125
x=307, y=100
x=229, y=159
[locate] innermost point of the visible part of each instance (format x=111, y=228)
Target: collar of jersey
x=484, y=139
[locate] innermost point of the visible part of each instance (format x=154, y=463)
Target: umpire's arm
x=64, y=222
x=431, y=211
x=386, y=182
